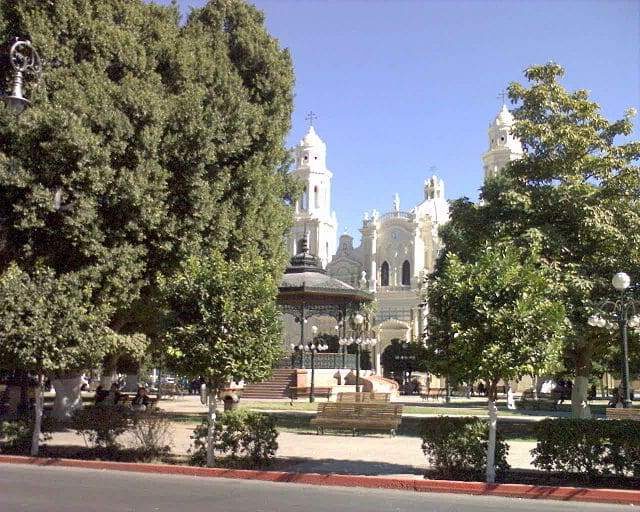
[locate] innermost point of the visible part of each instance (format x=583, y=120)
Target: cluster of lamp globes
x=621, y=281
x=313, y=347
x=365, y=342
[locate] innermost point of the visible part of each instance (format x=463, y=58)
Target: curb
x=619, y=496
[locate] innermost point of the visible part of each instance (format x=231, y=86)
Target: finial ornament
x=502, y=96
x=311, y=117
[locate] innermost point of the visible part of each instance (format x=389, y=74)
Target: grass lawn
x=431, y=409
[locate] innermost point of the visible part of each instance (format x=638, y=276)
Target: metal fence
x=322, y=361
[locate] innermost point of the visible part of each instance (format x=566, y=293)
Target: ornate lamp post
x=25, y=64
x=312, y=348
x=360, y=341
x=623, y=311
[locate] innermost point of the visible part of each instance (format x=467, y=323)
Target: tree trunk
x=37, y=423
x=579, y=404
x=68, y=396
x=491, y=446
x=213, y=392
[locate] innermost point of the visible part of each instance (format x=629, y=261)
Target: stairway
x=276, y=387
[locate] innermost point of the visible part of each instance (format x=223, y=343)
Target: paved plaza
x=370, y=454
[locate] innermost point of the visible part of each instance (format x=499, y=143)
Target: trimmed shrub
x=457, y=447
x=100, y=426
x=152, y=434
x=589, y=446
x=244, y=437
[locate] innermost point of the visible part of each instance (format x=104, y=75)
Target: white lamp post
x=622, y=311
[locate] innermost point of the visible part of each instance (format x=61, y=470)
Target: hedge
x=589, y=446
x=457, y=447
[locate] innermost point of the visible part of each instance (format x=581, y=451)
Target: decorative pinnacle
x=502, y=96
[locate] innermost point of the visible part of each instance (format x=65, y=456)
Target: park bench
x=546, y=401
x=170, y=389
x=297, y=392
x=613, y=413
x=358, y=416
x=435, y=393
x=369, y=396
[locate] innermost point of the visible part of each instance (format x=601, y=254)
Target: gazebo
x=306, y=290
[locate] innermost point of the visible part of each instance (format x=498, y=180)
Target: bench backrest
x=623, y=414
x=370, y=396
x=368, y=410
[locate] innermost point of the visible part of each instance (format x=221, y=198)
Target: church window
x=304, y=199
x=406, y=273
x=502, y=139
x=384, y=274
x=316, y=196
x=327, y=249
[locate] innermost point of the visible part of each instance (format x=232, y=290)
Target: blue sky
x=403, y=86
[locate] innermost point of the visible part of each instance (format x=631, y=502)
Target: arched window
x=316, y=197
x=384, y=274
x=304, y=200
x=406, y=273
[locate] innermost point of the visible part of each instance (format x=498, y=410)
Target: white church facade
x=398, y=247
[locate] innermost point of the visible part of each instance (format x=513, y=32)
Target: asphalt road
x=26, y=488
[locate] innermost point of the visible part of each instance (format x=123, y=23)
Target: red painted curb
x=620, y=496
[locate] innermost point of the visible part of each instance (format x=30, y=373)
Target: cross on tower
x=311, y=116
x=502, y=95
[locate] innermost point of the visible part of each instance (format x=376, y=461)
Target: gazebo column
x=302, y=321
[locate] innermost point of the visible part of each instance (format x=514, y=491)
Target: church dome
x=504, y=117
x=311, y=139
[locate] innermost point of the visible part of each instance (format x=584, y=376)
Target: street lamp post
x=622, y=311
x=25, y=64
x=312, y=348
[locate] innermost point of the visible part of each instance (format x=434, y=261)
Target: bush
x=100, y=426
x=589, y=446
x=151, y=434
x=15, y=435
x=245, y=437
x=457, y=447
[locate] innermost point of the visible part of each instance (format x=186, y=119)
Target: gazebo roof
x=306, y=282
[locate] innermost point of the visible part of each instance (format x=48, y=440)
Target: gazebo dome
x=306, y=282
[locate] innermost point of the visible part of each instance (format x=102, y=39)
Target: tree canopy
x=496, y=318
x=149, y=141
x=575, y=193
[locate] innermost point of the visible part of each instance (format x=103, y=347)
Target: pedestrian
x=140, y=402
x=113, y=396
x=511, y=399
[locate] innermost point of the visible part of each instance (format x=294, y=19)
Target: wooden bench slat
x=622, y=413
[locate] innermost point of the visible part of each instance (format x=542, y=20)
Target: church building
x=398, y=247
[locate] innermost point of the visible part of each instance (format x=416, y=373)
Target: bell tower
x=503, y=145
x=313, y=215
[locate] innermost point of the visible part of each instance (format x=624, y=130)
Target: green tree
x=575, y=193
x=48, y=325
x=495, y=318
x=149, y=140
x=223, y=323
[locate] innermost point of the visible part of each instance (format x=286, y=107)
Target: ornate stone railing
x=397, y=215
